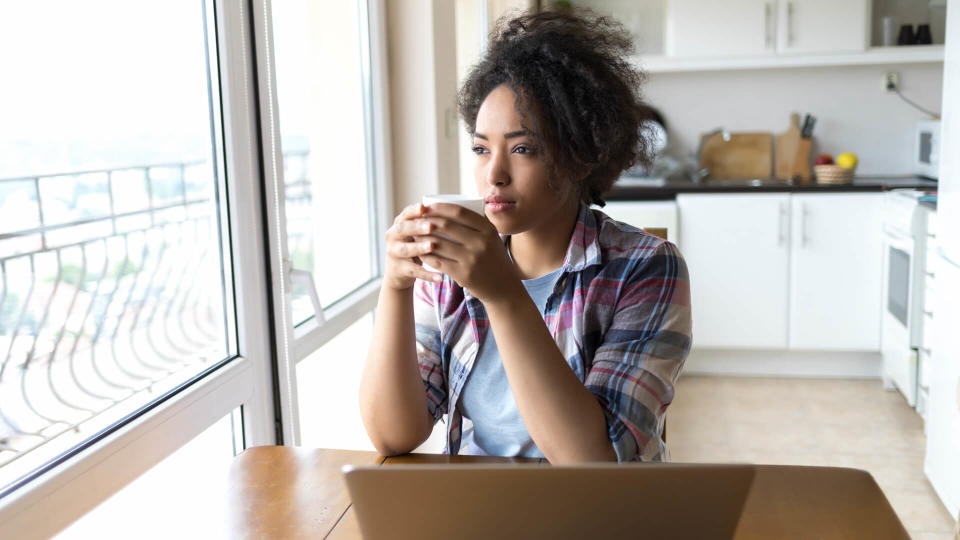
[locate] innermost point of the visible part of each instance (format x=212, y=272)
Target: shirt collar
x=584, y=249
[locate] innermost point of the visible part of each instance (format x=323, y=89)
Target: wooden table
x=286, y=492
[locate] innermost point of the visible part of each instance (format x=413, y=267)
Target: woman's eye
x=479, y=150
x=523, y=150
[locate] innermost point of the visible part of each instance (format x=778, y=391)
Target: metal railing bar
x=113, y=213
x=43, y=237
x=206, y=334
x=83, y=324
x=106, y=310
x=33, y=346
x=184, y=306
x=56, y=345
x=126, y=304
x=153, y=313
x=150, y=199
x=94, y=171
x=100, y=238
x=86, y=221
x=169, y=307
x=139, y=309
x=16, y=328
x=3, y=295
x=186, y=296
x=96, y=336
x=143, y=302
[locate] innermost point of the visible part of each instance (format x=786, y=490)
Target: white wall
x=423, y=86
x=853, y=111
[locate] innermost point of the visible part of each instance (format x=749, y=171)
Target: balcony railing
x=110, y=293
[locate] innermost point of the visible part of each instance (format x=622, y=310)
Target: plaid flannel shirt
x=619, y=313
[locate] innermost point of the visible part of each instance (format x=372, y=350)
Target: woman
x=553, y=331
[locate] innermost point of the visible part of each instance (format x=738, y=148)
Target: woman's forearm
x=393, y=403
x=564, y=419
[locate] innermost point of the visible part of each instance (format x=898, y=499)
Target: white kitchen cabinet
x=646, y=214
x=738, y=28
x=783, y=271
x=705, y=28
x=822, y=26
x=835, y=271
x=737, y=251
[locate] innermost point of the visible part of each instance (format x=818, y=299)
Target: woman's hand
x=469, y=250
x=405, y=245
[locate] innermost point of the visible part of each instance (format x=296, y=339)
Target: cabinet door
x=835, y=271
x=706, y=28
x=736, y=248
x=822, y=26
x=646, y=215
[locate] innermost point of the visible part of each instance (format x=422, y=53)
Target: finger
x=414, y=270
x=448, y=229
x=408, y=250
x=412, y=211
x=459, y=214
x=414, y=227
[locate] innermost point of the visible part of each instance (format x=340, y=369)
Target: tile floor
x=836, y=422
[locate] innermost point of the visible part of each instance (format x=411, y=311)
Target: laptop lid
x=636, y=500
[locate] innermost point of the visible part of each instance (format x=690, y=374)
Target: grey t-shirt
x=487, y=399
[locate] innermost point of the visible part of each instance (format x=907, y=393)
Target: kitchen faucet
x=702, y=172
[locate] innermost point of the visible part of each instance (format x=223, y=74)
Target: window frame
x=50, y=502
x=295, y=343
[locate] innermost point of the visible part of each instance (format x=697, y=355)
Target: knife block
x=792, y=153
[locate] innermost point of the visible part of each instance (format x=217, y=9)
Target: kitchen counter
x=626, y=190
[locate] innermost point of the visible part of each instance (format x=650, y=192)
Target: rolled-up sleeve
x=636, y=366
x=429, y=347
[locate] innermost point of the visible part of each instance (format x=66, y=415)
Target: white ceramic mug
x=470, y=203
x=466, y=201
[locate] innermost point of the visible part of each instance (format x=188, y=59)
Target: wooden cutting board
x=793, y=153
x=744, y=156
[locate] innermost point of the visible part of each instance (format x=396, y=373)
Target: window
x=120, y=306
x=330, y=197
x=113, y=284
x=144, y=269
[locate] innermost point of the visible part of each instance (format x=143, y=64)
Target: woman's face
x=511, y=175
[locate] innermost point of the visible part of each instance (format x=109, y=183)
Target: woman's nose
x=497, y=173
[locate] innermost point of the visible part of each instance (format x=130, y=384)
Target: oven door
x=899, y=358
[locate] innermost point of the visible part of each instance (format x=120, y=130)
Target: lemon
x=847, y=160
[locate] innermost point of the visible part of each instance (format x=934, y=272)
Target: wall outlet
x=891, y=81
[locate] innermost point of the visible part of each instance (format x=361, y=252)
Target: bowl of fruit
x=828, y=171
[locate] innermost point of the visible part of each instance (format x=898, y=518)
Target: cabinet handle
x=927, y=350
x=789, y=23
x=767, y=10
x=928, y=313
x=931, y=275
x=781, y=234
x=803, y=225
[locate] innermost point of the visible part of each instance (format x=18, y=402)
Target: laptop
x=634, y=500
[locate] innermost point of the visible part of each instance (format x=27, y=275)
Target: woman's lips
x=499, y=205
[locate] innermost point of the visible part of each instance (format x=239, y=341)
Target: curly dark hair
x=570, y=68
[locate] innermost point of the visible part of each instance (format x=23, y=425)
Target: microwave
x=926, y=151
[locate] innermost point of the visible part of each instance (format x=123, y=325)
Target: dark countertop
x=669, y=190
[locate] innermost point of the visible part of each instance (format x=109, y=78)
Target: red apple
x=824, y=159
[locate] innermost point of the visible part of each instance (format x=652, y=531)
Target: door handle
x=305, y=280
